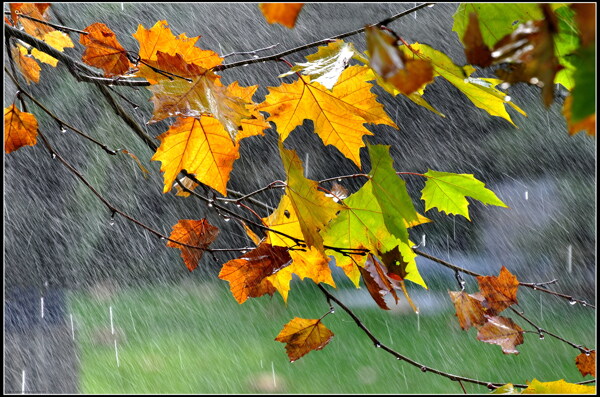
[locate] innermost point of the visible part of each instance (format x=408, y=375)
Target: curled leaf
x=469, y=309
x=501, y=331
x=104, y=51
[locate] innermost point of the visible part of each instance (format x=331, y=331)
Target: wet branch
x=423, y=368
x=52, y=25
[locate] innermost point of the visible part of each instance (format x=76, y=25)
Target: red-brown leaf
x=586, y=364
x=20, y=129
x=246, y=274
x=499, y=291
x=197, y=233
x=104, y=51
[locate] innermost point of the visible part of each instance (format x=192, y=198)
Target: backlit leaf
x=102, y=50
x=313, y=208
x=205, y=95
x=338, y=115
x=282, y=13
x=557, y=387
x=499, y=291
x=407, y=74
x=586, y=363
x=480, y=91
x=56, y=39
x=20, y=129
x=302, y=336
x=200, y=146
x=246, y=275
x=327, y=64
x=448, y=192
x=390, y=191
x=193, y=232
x=501, y=331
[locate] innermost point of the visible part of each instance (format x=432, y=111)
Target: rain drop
x=504, y=86
x=135, y=107
x=238, y=204
x=423, y=369
x=377, y=344
x=210, y=203
x=430, y=5
x=63, y=129
x=53, y=156
x=339, y=179
x=541, y=336
x=587, y=353
x=255, y=56
x=507, y=98
x=332, y=311
x=112, y=220
x=226, y=218
x=496, y=54
x=534, y=80
x=572, y=302
x=490, y=386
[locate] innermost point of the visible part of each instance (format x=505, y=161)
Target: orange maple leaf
x=104, y=51
x=586, y=363
x=302, y=336
x=338, y=114
x=28, y=66
x=283, y=13
x=246, y=275
x=499, y=291
x=202, y=147
x=159, y=38
x=198, y=233
x=20, y=129
x=34, y=10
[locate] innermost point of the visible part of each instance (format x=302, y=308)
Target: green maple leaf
x=390, y=191
x=448, y=192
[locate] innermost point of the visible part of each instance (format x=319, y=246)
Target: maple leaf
x=557, y=387
x=586, y=363
x=338, y=114
x=282, y=13
x=390, y=191
x=588, y=124
x=246, y=274
x=159, y=38
x=56, y=39
x=311, y=263
x=360, y=224
x=481, y=92
x=205, y=95
x=198, y=233
x=501, y=331
x=34, y=10
x=202, y=147
x=20, y=129
x=448, y=191
x=469, y=309
x=327, y=64
x=302, y=336
x=499, y=291
x=407, y=74
x=313, y=208
x=25, y=63
x=103, y=50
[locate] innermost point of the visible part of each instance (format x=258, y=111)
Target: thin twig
x=249, y=52
x=52, y=25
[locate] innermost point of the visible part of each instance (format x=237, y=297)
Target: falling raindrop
x=72, y=327
x=112, y=328
x=117, y=354
x=273, y=371
x=526, y=195
x=569, y=258
x=42, y=306
x=23, y=382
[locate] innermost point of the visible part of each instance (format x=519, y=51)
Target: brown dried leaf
x=477, y=52
x=20, y=129
x=301, y=336
x=501, y=331
x=192, y=232
x=104, y=51
x=376, y=280
x=586, y=363
x=499, y=291
x=469, y=309
x=247, y=273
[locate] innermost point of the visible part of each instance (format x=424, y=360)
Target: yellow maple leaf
x=20, y=129
x=302, y=335
x=159, y=38
x=201, y=146
x=56, y=39
x=338, y=114
x=205, y=95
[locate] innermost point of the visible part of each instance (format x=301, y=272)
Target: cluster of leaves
x=366, y=232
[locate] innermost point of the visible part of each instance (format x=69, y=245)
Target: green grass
x=194, y=338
